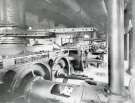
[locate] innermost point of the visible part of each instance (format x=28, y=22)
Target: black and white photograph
x=67, y=51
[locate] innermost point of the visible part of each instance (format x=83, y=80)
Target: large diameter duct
x=43, y=91
x=12, y=12
x=116, y=45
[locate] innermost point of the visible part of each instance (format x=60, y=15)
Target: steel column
x=125, y=46
x=116, y=45
x=130, y=51
x=132, y=41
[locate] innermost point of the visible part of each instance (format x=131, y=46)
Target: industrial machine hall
x=67, y=51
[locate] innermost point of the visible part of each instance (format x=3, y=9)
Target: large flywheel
x=60, y=68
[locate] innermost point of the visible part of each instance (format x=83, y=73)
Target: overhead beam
x=43, y=33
